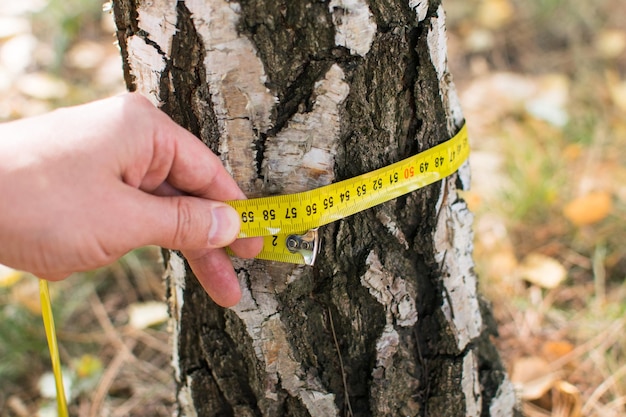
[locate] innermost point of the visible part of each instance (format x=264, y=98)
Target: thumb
x=185, y=222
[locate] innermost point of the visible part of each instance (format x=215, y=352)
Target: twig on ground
x=343, y=372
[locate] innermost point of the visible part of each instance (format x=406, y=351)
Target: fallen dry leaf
x=17, y=54
x=555, y=349
x=562, y=400
x=544, y=393
x=480, y=40
x=573, y=151
x=618, y=94
x=504, y=261
x=494, y=14
x=531, y=410
x=86, y=55
x=12, y=26
x=144, y=315
x=542, y=270
x=9, y=276
x=532, y=376
x=611, y=43
x=42, y=86
x=589, y=208
x=566, y=400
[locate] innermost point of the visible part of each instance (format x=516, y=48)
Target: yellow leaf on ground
x=503, y=262
x=494, y=14
x=566, y=400
x=555, y=349
x=589, y=209
x=9, y=276
x=542, y=270
x=611, y=43
x=573, y=151
x=618, y=94
x=88, y=365
x=532, y=376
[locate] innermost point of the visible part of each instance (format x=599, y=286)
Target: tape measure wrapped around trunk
x=288, y=223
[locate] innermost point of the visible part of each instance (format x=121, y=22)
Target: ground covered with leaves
x=543, y=87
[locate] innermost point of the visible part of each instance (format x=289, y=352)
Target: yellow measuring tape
x=288, y=223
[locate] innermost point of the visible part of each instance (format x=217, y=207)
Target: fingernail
x=224, y=226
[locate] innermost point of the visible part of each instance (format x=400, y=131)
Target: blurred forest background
x=543, y=87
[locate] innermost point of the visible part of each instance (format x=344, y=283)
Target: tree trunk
x=292, y=95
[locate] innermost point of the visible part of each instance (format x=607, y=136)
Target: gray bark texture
x=294, y=94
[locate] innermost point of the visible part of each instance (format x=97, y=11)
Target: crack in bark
x=274, y=29
x=295, y=99
x=126, y=21
x=184, y=91
x=408, y=82
x=423, y=362
x=146, y=38
x=227, y=369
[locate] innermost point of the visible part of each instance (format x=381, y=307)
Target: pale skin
x=82, y=186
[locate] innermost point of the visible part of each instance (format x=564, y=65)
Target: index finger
x=199, y=172
x=195, y=169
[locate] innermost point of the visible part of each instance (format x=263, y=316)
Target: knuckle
x=184, y=231
x=136, y=107
x=137, y=99
x=100, y=255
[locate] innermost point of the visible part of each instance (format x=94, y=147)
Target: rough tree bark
x=294, y=94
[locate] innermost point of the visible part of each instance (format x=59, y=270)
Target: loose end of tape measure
x=295, y=248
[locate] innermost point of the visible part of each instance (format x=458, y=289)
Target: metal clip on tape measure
x=307, y=245
x=288, y=223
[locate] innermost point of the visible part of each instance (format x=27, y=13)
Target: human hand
x=82, y=186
